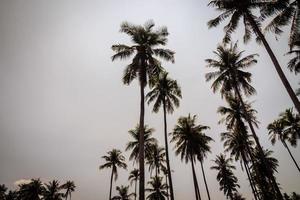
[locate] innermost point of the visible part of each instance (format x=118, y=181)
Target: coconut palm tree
x=294, y=63
x=144, y=66
x=69, y=186
x=113, y=160
x=230, y=78
x=287, y=13
x=32, y=190
x=53, y=191
x=227, y=180
x=134, y=144
x=134, y=177
x=188, y=139
x=123, y=193
x=165, y=93
x=291, y=123
x=276, y=132
x=165, y=173
x=157, y=189
x=156, y=158
x=238, y=10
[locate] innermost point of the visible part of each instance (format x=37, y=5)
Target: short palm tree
x=165, y=93
x=134, y=177
x=294, y=63
x=69, y=186
x=32, y=190
x=226, y=178
x=144, y=67
x=157, y=189
x=291, y=122
x=156, y=158
x=188, y=139
x=123, y=193
x=134, y=144
x=113, y=160
x=287, y=13
x=53, y=191
x=238, y=10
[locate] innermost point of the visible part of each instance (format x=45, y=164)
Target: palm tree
x=134, y=145
x=291, y=123
x=156, y=158
x=276, y=132
x=165, y=173
x=69, y=186
x=12, y=195
x=287, y=12
x=294, y=63
x=144, y=67
x=134, y=177
x=53, y=191
x=32, y=190
x=166, y=93
x=188, y=139
x=238, y=10
x=157, y=189
x=227, y=180
x=230, y=78
x=113, y=160
x=123, y=193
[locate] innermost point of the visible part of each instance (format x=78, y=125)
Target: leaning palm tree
x=32, y=190
x=157, y=189
x=238, y=10
x=134, y=144
x=204, y=149
x=144, y=67
x=165, y=93
x=123, y=193
x=53, y=191
x=230, y=77
x=113, y=160
x=187, y=137
x=69, y=186
x=226, y=178
x=134, y=177
x=294, y=63
x=287, y=13
x=156, y=158
x=276, y=132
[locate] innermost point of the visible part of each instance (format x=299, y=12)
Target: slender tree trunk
x=167, y=153
x=111, y=181
x=286, y=146
x=270, y=175
x=249, y=177
x=167, y=187
x=197, y=191
x=206, y=186
x=135, y=189
x=141, y=144
x=275, y=62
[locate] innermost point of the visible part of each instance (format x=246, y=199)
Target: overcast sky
x=63, y=104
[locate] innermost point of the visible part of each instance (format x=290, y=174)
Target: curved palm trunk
x=206, y=186
x=167, y=153
x=111, y=181
x=275, y=62
x=286, y=146
x=270, y=175
x=249, y=177
x=141, y=144
x=196, y=186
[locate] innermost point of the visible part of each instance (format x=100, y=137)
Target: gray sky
x=63, y=104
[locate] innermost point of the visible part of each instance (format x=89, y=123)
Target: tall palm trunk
x=141, y=143
x=286, y=146
x=275, y=62
x=196, y=186
x=269, y=174
x=111, y=181
x=249, y=177
x=168, y=197
x=167, y=152
x=206, y=186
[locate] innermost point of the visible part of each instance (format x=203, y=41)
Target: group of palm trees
x=36, y=190
x=232, y=80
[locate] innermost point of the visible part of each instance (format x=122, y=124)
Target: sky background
x=63, y=104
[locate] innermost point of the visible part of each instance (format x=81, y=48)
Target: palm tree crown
x=53, y=191
x=157, y=189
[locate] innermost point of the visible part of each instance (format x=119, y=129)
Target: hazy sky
x=63, y=104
